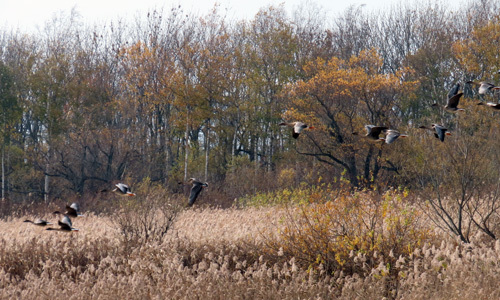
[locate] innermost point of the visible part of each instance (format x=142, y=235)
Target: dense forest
x=175, y=95
x=333, y=213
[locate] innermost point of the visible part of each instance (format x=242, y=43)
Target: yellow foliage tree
x=339, y=98
x=149, y=77
x=478, y=54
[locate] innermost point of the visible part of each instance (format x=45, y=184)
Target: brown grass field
x=214, y=253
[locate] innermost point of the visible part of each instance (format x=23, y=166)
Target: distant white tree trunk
x=271, y=143
x=47, y=178
x=186, y=157
x=167, y=156
x=207, y=149
x=235, y=136
x=47, y=165
x=233, y=148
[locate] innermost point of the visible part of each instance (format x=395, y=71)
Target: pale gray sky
x=26, y=14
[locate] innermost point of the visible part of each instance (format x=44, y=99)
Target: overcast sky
x=26, y=14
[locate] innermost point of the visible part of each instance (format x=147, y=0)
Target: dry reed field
x=245, y=253
x=293, y=154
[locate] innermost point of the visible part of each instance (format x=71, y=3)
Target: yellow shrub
x=364, y=225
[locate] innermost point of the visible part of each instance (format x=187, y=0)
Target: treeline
x=176, y=95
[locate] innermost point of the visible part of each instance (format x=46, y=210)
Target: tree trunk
x=207, y=149
x=168, y=156
x=353, y=172
x=186, y=156
x=368, y=160
x=47, y=178
x=256, y=161
x=47, y=164
x=3, y=172
x=235, y=136
x=271, y=153
x=233, y=148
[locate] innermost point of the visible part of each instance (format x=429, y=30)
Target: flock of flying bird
x=73, y=210
x=372, y=132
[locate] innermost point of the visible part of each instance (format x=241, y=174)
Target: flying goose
x=439, y=131
x=452, y=103
x=297, y=127
x=196, y=188
x=123, y=189
x=495, y=106
x=72, y=210
x=64, y=225
x=484, y=86
x=391, y=135
x=373, y=132
x=38, y=222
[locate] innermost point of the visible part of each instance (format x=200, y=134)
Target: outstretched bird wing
x=493, y=105
x=454, y=90
x=374, y=131
x=453, y=101
x=122, y=187
x=195, y=191
x=391, y=136
x=297, y=129
x=440, y=132
x=72, y=210
x=42, y=222
x=75, y=206
x=485, y=86
x=65, y=223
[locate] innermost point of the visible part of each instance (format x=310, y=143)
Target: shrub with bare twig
x=148, y=217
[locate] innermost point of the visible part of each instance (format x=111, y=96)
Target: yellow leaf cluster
x=349, y=92
x=478, y=54
x=329, y=233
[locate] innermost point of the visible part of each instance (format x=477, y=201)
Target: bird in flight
x=452, y=103
x=373, y=132
x=391, y=135
x=196, y=189
x=72, y=210
x=484, y=86
x=439, y=131
x=123, y=189
x=38, y=222
x=64, y=225
x=495, y=106
x=298, y=127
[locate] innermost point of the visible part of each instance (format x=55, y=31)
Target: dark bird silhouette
x=439, y=131
x=72, y=210
x=495, y=106
x=484, y=86
x=38, y=222
x=196, y=188
x=64, y=225
x=297, y=127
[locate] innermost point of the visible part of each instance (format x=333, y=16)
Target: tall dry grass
x=211, y=253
